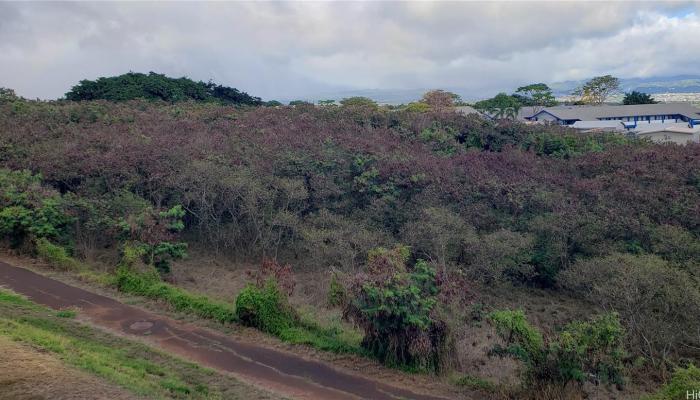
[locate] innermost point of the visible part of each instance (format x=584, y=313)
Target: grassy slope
x=135, y=366
x=39, y=375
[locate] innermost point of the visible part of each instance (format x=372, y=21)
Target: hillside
x=414, y=239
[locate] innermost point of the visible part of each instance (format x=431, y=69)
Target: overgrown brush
x=265, y=308
x=683, y=383
x=399, y=309
x=264, y=304
x=29, y=210
x=582, y=351
x=150, y=285
x=55, y=255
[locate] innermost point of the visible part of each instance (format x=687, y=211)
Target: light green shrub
x=55, y=255
x=684, y=380
x=336, y=293
x=583, y=351
x=265, y=308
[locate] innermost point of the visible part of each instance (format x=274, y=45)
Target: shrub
x=337, y=296
x=654, y=300
x=683, y=381
x=66, y=313
x=150, y=234
x=497, y=257
x=583, y=351
x=399, y=310
x=438, y=234
x=265, y=308
x=7, y=95
x=55, y=255
x=30, y=210
x=474, y=382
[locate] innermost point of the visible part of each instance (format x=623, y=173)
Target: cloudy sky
x=307, y=49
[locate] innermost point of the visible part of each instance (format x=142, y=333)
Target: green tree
x=300, y=103
x=635, y=97
x=273, y=103
x=358, y=101
x=153, y=86
x=598, y=89
x=537, y=95
x=502, y=106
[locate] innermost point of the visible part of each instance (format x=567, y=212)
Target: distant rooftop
x=590, y=113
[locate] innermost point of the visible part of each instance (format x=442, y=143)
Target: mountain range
x=651, y=85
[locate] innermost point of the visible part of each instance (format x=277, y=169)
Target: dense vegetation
x=153, y=86
x=635, y=97
x=608, y=220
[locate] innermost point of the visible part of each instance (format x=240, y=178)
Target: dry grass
x=35, y=375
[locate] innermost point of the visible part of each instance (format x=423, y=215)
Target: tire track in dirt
x=284, y=373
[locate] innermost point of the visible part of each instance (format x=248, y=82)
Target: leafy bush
x=66, y=313
x=150, y=234
x=683, y=381
x=398, y=309
x=582, y=351
x=55, y=255
x=7, y=95
x=337, y=296
x=265, y=308
x=30, y=210
x=498, y=257
x=473, y=382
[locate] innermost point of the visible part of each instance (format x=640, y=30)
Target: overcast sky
x=302, y=49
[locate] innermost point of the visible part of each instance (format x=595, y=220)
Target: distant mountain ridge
x=652, y=85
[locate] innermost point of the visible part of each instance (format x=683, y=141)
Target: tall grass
x=152, y=287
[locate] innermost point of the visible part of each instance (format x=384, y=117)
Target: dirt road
x=283, y=373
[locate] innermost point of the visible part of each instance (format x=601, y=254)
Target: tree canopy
x=635, y=97
x=536, y=94
x=359, y=101
x=154, y=86
x=440, y=99
x=598, y=89
x=502, y=106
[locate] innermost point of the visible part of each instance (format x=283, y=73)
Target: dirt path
x=283, y=373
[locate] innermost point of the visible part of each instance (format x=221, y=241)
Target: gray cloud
x=298, y=49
